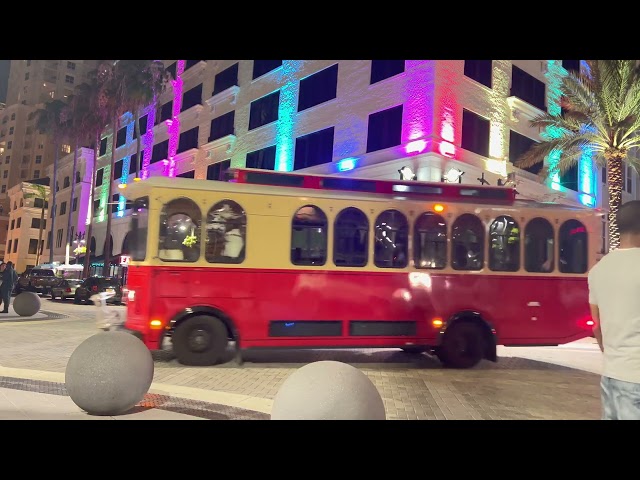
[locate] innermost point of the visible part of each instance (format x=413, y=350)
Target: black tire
x=76, y=300
x=53, y=296
x=463, y=345
x=414, y=349
x=201, y=340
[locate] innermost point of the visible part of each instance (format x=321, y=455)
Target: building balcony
x=230, y=93
x=521, y=109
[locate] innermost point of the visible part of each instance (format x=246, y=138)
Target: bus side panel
x=139, y=281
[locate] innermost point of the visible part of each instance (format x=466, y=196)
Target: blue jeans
x=620, y=400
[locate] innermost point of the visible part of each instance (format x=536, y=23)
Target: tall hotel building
x=25, y=152
x=352, y=118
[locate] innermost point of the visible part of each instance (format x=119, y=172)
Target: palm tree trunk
x=39, y=250
x=94, y=168
x=138, y=144
x=614, y=180
x=73, y=192
x=54, y=184
x=107, y=240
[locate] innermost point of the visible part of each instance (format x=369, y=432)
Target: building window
x=571, y=65
x=99, y=177
x=573, y=247
x=63, y=208
x=13, y=116
x=121, y=137
x=391, y=240
x=9, y=246
x=467, y=243
x=59, y=233
x=172, y=70
x=5, y=174
x=191, y=97
x=71, y=66
x=160, y=151
x=264, y=110
x=7, y=159
x=19, y=222
x=528, y=88
x=15, y=246
x=36, y=174
x=351, y=238
x=225, y=79
x=264, y=158
x=222, y=126
x=385, y=129
x=24, y=173
x=26, y=76
x=190, y=63
x=569, y=178
x=35, y=223
x=103, y=146
x=66, y=148
x=188, y=140
x=383, y=69
x=189, y=174
x=38, y=159
x=475, y=133
x=216, y=171
x=226, y=233
x=33, y=246
x=314, y=149
x=10, y=130
x=166, y=112
x=518, y=145
x=9, y=145
x=13, y=224
x=3, y=189
x=309, y=236
x=142, y=126
x=262, y=67
x=134, y=159
x=117, y=169
x=479, y=70
x=66, y=182
x=68, y=79
x=28, y=63
x=318, y=88
x=77, y=177
x=74, y=205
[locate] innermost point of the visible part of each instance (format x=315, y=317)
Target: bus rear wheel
x=462, y=346
x=201, y=340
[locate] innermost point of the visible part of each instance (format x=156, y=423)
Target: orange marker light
x=438, y=208
x=437, y=322
x=155, y=324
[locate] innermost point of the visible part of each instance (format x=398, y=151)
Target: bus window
x=226, y=233
x=139, y=222
x=573, y=247
x=467, y=243
x=179, y=231
x=350, y=238
x=391, y=241
x=309, y=236
x=504, y=246
x=538, y=246
x=430, y=241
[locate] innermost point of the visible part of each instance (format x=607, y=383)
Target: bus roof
x=275, y=183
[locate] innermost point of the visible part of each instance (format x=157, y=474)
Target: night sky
x=4, y=78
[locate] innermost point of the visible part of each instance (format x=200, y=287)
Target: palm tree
x=49, y=121
x=143, y=81
x=601, y=115
x=42, y=194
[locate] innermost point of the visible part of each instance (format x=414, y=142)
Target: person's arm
x=597, y=331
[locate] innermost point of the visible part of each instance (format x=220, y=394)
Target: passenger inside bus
x=226, y=224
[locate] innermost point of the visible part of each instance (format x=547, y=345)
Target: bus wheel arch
x=204, y=310
x=476, y=335
x=201, y=336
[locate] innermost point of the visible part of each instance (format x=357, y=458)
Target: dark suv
x=92, y=285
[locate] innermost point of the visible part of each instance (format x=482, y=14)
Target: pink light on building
x=173, y=125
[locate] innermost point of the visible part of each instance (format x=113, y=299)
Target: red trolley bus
x=274, y=259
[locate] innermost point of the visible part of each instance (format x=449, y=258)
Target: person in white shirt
x=614, y=298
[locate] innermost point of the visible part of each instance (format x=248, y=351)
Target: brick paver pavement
x=412, y=387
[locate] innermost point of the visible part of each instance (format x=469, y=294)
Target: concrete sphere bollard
x=328, y=390
x=109, y=373
x=26, y=304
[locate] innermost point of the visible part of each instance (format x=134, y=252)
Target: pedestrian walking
x=9, y=279
x=614, y=297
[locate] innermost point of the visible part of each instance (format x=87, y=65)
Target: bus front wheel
x=201, y=340
x=462, y=345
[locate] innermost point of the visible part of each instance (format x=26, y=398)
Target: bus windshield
x=139, y=221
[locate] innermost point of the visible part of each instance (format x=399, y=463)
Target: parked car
x=39, y=280
x=65, y=288
x=92, y=285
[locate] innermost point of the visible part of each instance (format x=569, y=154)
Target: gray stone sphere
x=26, y=304
x=328, y=390
x=109, y=373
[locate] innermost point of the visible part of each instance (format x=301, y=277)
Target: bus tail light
x=587, y=323
x=131, y=295
x=438, y=208
x=437, y=322
x=155, y=324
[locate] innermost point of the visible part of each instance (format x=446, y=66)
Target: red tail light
x=68, y=290
x=94, y=288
